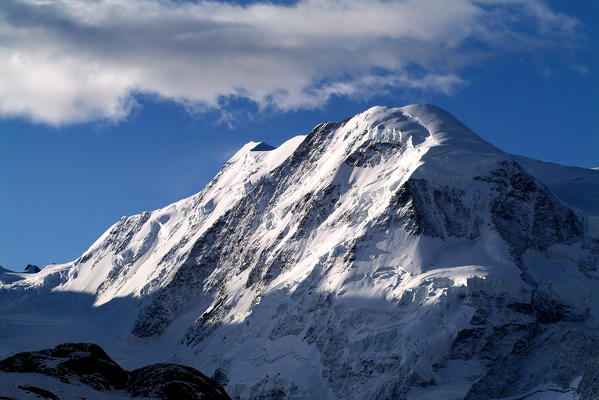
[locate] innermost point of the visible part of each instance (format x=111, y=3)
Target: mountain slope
x=391, y=255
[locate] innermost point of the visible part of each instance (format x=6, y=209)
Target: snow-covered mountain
x=392, y=255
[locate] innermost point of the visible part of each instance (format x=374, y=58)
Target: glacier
x=392, y=255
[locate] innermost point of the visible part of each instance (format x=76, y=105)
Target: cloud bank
x=69, y=61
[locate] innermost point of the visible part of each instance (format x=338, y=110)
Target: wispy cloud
x=65, y=61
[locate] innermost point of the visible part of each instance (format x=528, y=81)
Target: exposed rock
x=173, y=382
x=87, y=364
x=71, y=362
x=32, y=269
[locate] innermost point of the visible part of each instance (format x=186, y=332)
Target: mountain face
x=393, y=255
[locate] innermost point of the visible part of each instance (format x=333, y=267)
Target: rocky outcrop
x=31, y=269
x=88, y=365
x=526, y=214
x=171, y=381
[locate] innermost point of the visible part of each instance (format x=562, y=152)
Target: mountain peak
x=420, y=120
x=396, y=243
x=262, y=146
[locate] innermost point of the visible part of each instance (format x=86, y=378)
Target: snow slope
x=577, y=187
x=391, y=255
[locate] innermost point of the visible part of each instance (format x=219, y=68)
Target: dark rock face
x=510, y=349
x=171, y=381
x=519, y=342
x=88, y=364
x=315, y=209
x=437, y=212
x=526, y=214
x=263, y=147
x=32, y=269
x=71, y=362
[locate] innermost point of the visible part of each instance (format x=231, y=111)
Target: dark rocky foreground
x=88, y=365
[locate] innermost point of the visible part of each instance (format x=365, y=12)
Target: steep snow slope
x=7, y=275
x=135, y=250
x=392, y=255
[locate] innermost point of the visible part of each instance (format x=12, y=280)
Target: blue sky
x=102, y=117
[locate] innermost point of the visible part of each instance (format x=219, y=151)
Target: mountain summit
x=392, y=255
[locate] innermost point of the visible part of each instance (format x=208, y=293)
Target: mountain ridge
x=383, y=249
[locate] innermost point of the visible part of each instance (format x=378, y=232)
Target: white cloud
x=64, y=61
